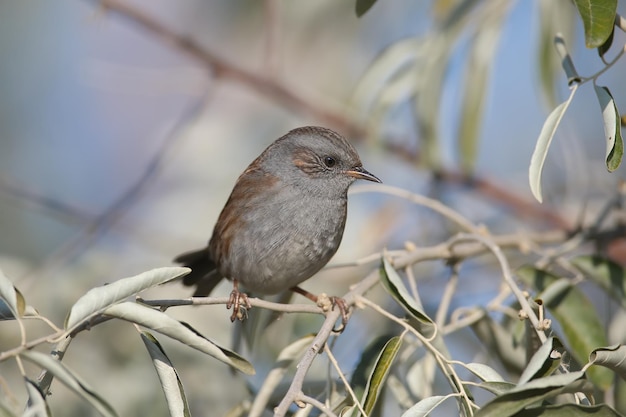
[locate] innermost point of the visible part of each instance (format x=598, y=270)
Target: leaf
x=604, y=48
x=393, y=62
x=576, y=315
x=598, y=19
x=11, y=296
x=612, y=357
x=543, y=144
x=537, y=390
x=364, y=367
x=362, y=6
x=484, y=372
x=395, y=287
x=497, y=388
x=476, y=84
x=170, y=381
x=97, y=299
x=566, y=60
x=500, y=340
x=552, y=14
x=610, y=276
x=426, y=406
x=36, y=406
x=570, y=410
x=164, y=324
x=5, y=410
x=381, y=369
x=70, y=380
x=612, y=128
x=544, y=361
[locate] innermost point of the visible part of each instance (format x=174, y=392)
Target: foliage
x=544, y=346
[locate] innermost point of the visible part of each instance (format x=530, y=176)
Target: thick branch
x=288, y=98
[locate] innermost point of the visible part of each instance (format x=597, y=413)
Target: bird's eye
x=329, y=161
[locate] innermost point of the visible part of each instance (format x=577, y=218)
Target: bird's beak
x=362, y=174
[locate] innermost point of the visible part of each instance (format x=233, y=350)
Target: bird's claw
x=343, y=307
x=326, y=303
x=240, y=303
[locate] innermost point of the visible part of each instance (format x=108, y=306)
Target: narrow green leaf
x=604, y=48
x=612, y=357
x=537, y=390
x=97, y=299
x=364, y=367
x=11, y=296
x=610, y=276
x=577, y=316
x=484, y=372
x=544, y=361
x=612, y=128
x=552, y=14
x=598, y=19
x=362, y=6
x=170, y=381
x=428, y=98
x=37, y=405
x=379, y=374
x=570, y=410
x=497, y=388
x=476, y=84
x=543, y=144
x=394, y=62
x=501, y=342
x=164, y=324
x=426, y=406
x=70, y=380
x=6, y=410
x=395, y=287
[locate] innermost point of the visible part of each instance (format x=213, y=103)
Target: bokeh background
x=118, y=150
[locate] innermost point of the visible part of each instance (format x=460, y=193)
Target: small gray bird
x=284, y=219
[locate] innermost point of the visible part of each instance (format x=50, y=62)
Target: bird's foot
x=327, y=303
x=240, y=303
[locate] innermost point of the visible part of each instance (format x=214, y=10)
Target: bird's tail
x=204, y=275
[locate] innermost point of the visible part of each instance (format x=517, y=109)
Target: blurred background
x=118, y=147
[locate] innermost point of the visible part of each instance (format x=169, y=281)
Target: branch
x=286, y=97
x=254, y=302
x=295, y=390
x=290, y=99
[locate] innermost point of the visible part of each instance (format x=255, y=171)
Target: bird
x=283, y=221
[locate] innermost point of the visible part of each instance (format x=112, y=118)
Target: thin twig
x=446, y=299
x=508, y=278
x=335, y=364
x=317, y=404
x=431, y=203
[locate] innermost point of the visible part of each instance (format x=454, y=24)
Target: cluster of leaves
x=546, y=385
x=600, y=19
x=98, y=305
x=415, y=70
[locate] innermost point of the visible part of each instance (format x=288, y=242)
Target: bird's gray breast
x=297, y=237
